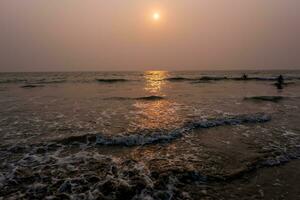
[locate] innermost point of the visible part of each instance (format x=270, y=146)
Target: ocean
x=150, y=135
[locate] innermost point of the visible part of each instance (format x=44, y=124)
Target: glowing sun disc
x=156, y=16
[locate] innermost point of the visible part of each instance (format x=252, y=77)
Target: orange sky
x=67, y=35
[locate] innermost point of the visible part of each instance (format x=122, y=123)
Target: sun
x=156, y=16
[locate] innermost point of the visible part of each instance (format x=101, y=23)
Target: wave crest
x=265, y=98
x=116, y=80
x=162, y=137
x=145, y=98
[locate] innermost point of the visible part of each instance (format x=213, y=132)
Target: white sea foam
x=138, y=139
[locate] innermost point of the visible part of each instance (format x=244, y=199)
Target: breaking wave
x=90, y=175
x=137, y=138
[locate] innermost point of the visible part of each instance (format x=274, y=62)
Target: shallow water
x=146, y=135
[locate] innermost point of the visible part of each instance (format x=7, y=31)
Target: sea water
x=146, y=135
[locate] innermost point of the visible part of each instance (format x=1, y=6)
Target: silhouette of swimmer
x=244, y=77
x=280, y=82
x=280, y=79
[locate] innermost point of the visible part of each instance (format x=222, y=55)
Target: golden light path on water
x=155, y=81
x=155, y=114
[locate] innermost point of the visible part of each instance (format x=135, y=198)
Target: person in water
x=280, y=79
x=280, y=82
x=244, y=77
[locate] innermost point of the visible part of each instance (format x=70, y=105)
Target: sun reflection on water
x=155, y=114
x=155, y=81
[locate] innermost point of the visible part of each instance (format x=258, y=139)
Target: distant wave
x=178, y=79
x=256, y=79
x=205, y=79
x=135, y=139
x=31, y=82
x=150, y=98
x=285, y=83
x=31, y=86
x=222, y=78
x=50, y=81
x=260, y=78
x=145, y=98
x=13, y=81
x=212, y=78
x=112, y=80
x=265, y=98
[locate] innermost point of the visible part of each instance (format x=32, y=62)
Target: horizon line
x=176, y=70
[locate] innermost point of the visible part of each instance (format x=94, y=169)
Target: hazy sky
x=66, y=35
